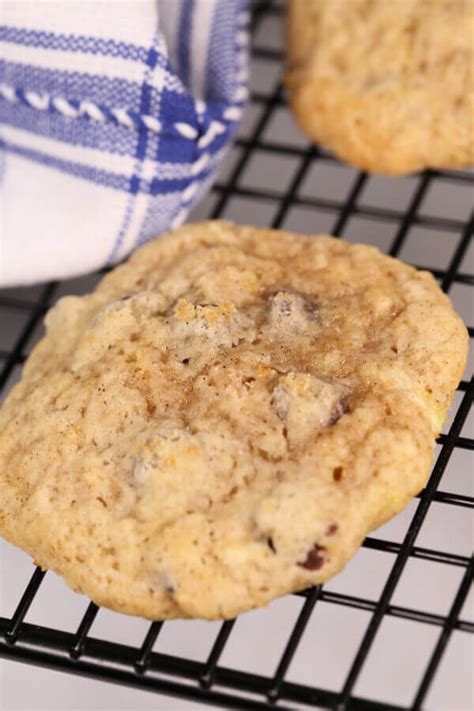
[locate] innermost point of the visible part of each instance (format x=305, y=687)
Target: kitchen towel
x=114, y=115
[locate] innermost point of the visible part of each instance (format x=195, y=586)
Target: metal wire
x=210, y=682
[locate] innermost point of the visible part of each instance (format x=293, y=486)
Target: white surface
x=401, y=650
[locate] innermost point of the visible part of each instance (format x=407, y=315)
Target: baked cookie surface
x=225, y=417
x=388, y=86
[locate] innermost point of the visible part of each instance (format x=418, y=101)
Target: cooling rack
x=274, y=177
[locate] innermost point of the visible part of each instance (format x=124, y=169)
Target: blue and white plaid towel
x=114, y=115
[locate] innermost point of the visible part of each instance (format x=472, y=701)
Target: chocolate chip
x=314, y=560
x=337, y=473
x=293, y=307
x=150, y=407
x=271, y=545
x=185, y=361
x=339, y=410
x=312, y=310
x=332, y=529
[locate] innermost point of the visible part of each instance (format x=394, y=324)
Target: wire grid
x=209, y=681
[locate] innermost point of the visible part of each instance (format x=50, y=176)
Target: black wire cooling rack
x=209, y=681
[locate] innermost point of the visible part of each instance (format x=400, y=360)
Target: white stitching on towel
x=43, y=102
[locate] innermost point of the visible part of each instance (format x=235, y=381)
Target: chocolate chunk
x=305, y=404
x=314, y=560
x=339, y=410
x=150, y=407
x=185, y=361
x=337, y=473
x=332, y=529
x=271, y=545
x=292, y=310
x=312, y=310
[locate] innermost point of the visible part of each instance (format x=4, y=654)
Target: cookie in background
x=387, y=86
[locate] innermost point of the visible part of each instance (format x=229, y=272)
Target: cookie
x=387, y=86
x=225, y=417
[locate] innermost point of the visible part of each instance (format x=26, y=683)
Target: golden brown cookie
x=225, y=417
x=387, y=85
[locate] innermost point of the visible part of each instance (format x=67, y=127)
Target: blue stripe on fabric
x=162, y=211
x=2, y=161
x=158, y=217
x=99, y=176
x=184, y=40
x=221, y=65
x=73, y=43
x=113, y=92
x=171, y=105
x=106, y=137
x=173, y=159
x=220, y=76
x=181, y=110
x=93, y=175
x=145, y=99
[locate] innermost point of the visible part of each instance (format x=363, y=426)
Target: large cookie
x=388, y=85
x=225, y=418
